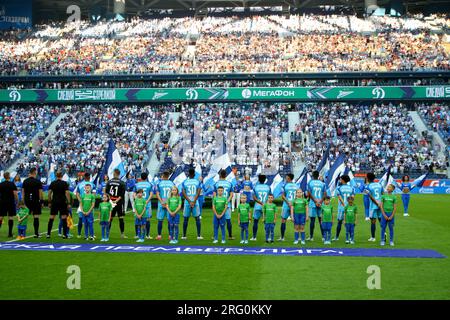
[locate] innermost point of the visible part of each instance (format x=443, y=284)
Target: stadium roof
x=56, y=9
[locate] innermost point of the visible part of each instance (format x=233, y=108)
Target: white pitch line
x=42, y=233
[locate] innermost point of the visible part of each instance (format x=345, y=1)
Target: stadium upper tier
x=229, y=44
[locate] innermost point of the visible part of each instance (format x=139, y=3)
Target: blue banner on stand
x=15, y=14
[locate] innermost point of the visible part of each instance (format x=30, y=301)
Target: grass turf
x=42, y=275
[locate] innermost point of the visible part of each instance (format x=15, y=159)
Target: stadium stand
x=372, y=136
x=228, y=44
x=18, y=127
x=81, y=139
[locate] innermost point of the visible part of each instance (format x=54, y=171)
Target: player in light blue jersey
x=405, y=187
x=261, y=193
x=163, y=189
x=375, y=191
x=316, y=191
x=79, y=193
x=288, y=196
x=247, y=187
x=191, y=189
x=228, y=193
x=344, y=191
x=147, y=194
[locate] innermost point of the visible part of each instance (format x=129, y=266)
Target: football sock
x=283, y=229
x=36, y=226
x=296, y=235
x=160, y=225
x=121, y=225
x=338, y=229
x=198, y=223
x=10, y=227
x=311, y=226
x=229, y=227
x=185, y=225
x=255, y=227
x=50, y=226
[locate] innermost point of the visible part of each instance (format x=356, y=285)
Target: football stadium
x=224, y=150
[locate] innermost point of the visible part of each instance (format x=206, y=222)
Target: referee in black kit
x=115, y=188
x=8, y=200
x=33, y=197
x=58, y=202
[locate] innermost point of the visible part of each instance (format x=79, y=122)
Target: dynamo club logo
x=15, y=96
x=246, y=93
x=378, y=93
x=192, y=94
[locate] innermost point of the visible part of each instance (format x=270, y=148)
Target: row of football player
x=296, y=207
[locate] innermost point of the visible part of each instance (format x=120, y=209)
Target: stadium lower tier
x=282, y=137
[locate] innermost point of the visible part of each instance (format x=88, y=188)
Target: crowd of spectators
x=229, y=44
x=437, y=118
x=81, y=138
x=372, y=137
x=17, y=128
x=250, y=134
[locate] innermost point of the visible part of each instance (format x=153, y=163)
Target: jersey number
x=113, y=191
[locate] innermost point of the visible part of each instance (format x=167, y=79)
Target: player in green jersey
x=350, y=211
x=174, y=206
x=244, y=218
x=22, y=219
x=105, y=209
x=299, y=215
x=87, y=207
x=219, y=206
x=270, y=218
x=388, y=209
x=140, y=211
x=327, y=219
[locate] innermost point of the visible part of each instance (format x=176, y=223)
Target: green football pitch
x=42, y=275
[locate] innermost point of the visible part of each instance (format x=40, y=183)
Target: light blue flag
x=277, y=186
x=335, y=172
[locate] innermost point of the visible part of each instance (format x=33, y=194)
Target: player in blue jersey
x=147, y=194
x=237, y=188
x=375, y=191
x=316, y=192
x=288, y=196
x=228, y=193
x=191, y=189
x=261, y=193
x=101, y=189
x=366, y=199
x=129, y=191
x=201, y=197
x=163, y=189
x=405, y=187
x=247, y=187
x=344, y=191
x=79, y=193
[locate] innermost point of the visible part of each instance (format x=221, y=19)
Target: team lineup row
x=299, y=206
